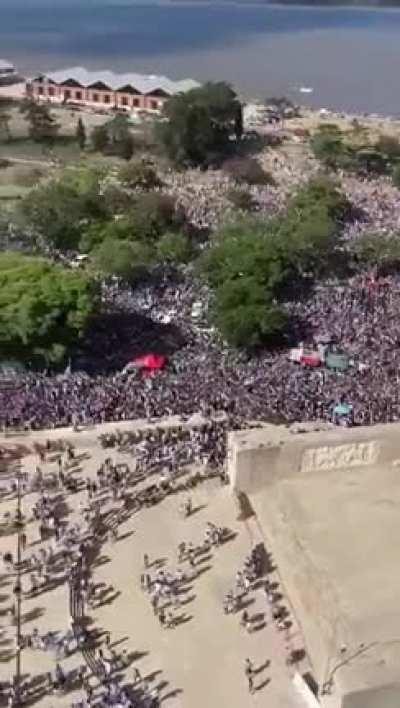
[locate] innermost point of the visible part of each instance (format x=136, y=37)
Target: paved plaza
x=200, y=661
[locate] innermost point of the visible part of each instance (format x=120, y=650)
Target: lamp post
x=19, y=524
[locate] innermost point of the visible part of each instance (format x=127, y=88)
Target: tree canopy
x=44, y=308
x=200, y=127
x=58, y=210
x=253, y=261
x=43, y=127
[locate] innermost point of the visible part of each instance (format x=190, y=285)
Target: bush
x=4, y=163
x=247, y=170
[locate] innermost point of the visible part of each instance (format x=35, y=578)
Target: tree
x=252, y=262
x=43, y=127
x=174, y=247
x=328, y=145
x=44, y=308
x=247, y=170
x=81, y=133
x=126, y=259
x=59, y=210
x=198, y=127
x=100, y=231
x=246, y=316
x=139, y=174
x=99, y=138
x=5, y=118
x=152, y=215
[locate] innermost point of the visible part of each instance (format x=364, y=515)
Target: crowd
x=204, y=376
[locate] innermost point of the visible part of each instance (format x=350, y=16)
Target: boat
x=306, y=89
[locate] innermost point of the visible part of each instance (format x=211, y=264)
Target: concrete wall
x=258, y=459
x=259, y=463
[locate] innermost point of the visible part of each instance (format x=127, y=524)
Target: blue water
x=351, y=57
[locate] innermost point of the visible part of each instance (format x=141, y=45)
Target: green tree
x=198, y=127
x=59, y=210
x=174, y=247
x=99, y=231
x=126, y=259
x=5, y=118
x=81, y=133
x=44, y=308
x=139, y=174
x=328, y=145
x=152, y=215
x=99, y=138
x=246, y=316
x=252, y=262
x=43, y=127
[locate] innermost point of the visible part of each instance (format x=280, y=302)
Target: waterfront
x=349, y=56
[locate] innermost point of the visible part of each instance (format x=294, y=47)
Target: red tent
x=150, y=362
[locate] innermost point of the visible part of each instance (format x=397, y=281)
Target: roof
x=144, y=84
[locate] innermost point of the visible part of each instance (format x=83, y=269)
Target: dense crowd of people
x=207, y=377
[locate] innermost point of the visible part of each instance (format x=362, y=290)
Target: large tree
x=43, y=127
x=126, y=259
x=252, y=263
x=60, y=209
x=44, y=308
x=199, y=127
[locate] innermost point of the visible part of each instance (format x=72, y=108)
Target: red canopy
x=151, y=362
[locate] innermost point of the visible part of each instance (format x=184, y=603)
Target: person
x=245, y=620
x=249, y=670
x=137, y=676
x=146, y=562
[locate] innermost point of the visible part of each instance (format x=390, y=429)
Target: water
x=351, y=57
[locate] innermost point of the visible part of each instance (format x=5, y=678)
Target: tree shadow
x=135, y=333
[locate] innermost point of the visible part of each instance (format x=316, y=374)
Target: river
x=350, y=57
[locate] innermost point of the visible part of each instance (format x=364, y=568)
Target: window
x=95, y=97
x=153, y=105
x=51, y=91
x=136, y=103
x=106, y=98
x=67, y=94
x=124, y=101
x=78, y=95
x=40, y=90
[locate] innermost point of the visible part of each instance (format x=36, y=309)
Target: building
x=8, y=73
x=106, y=90
x=327, y=502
